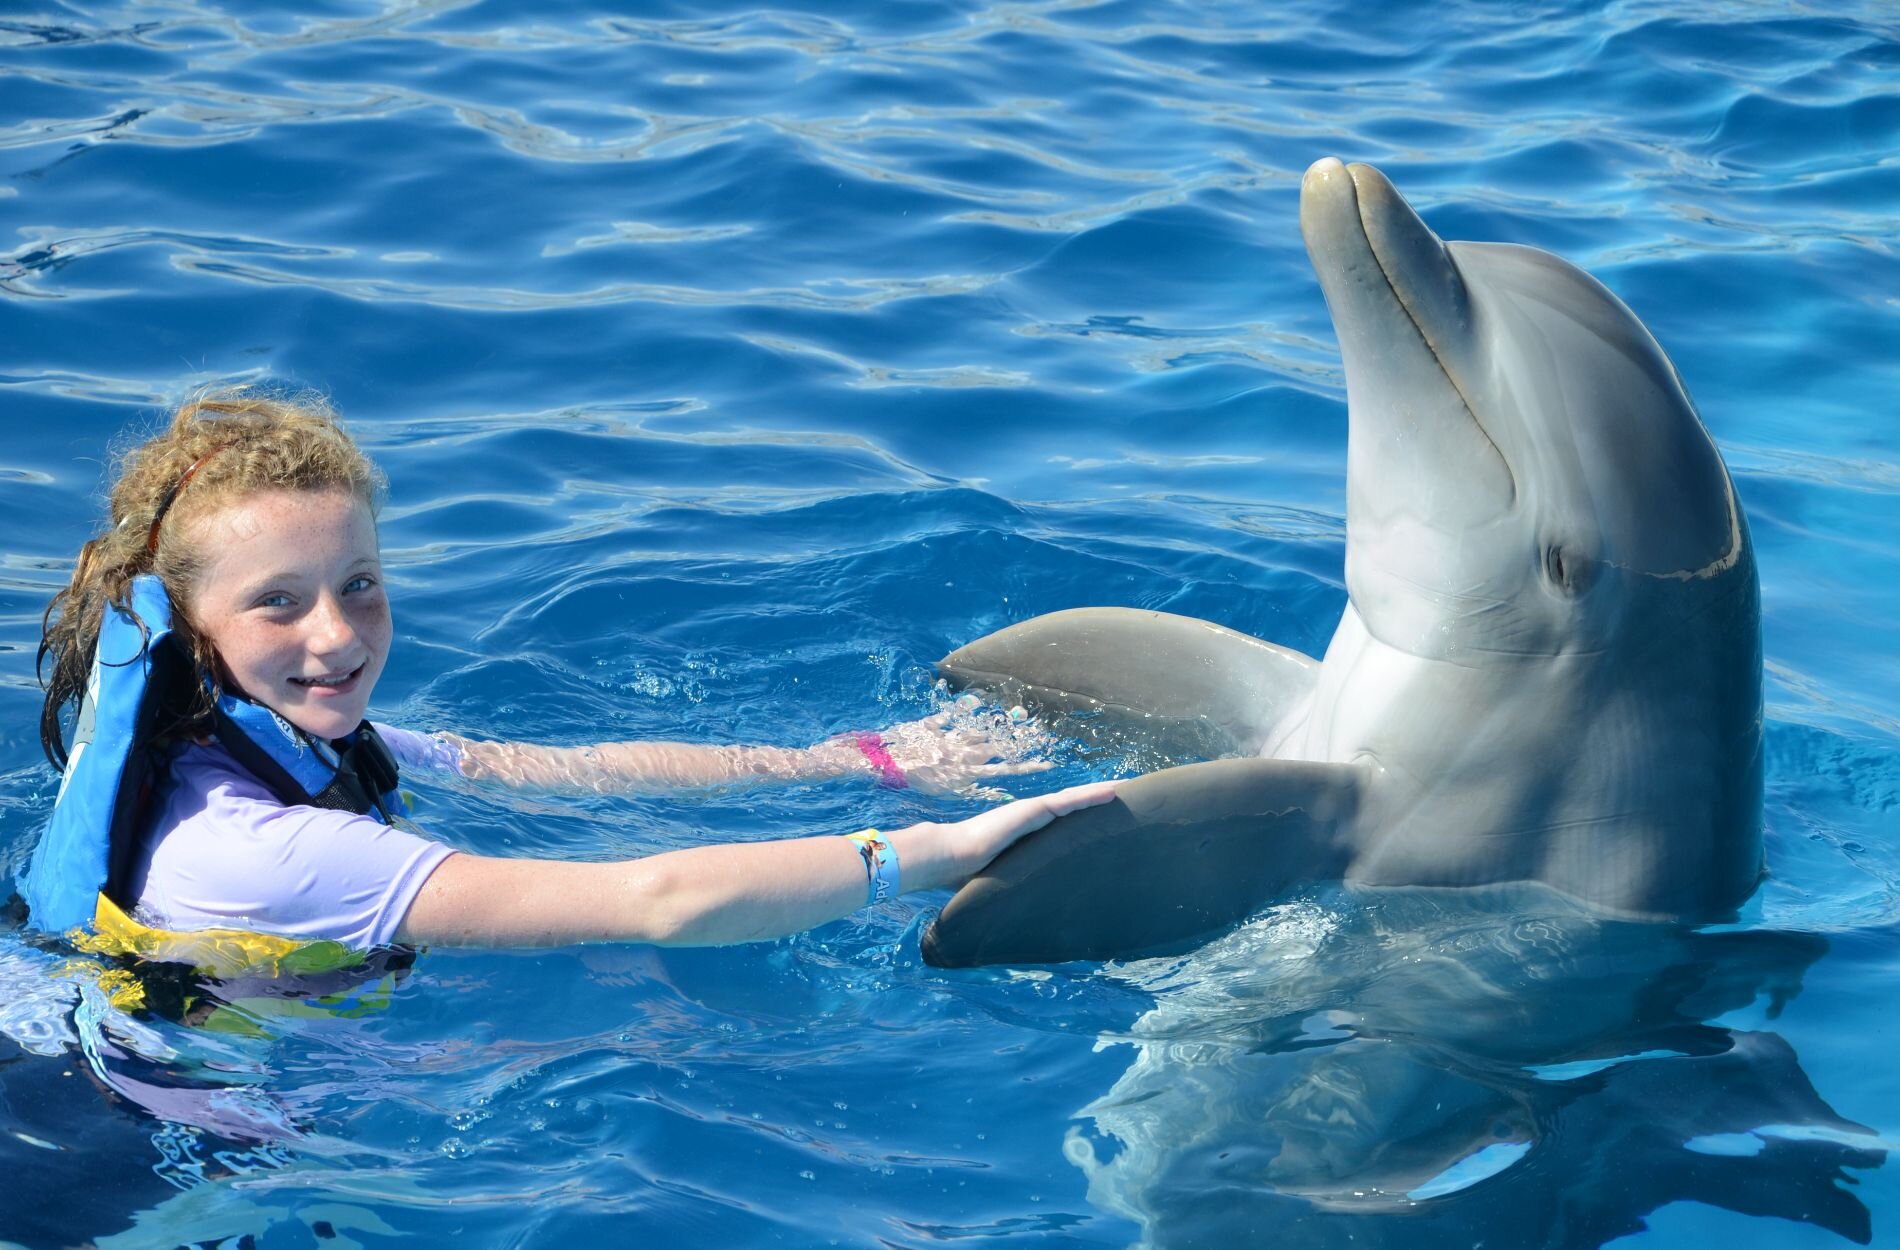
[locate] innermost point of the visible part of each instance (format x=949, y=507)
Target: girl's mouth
x=341, y=683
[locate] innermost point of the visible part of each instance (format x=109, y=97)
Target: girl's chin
x=326, y=722
x=325, y=726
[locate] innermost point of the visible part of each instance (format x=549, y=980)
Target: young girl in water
x=257, y=797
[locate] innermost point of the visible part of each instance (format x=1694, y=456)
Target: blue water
x=731, y=365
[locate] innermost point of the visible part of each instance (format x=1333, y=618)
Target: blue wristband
x=880, y=866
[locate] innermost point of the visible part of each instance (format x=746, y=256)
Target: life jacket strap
x=365, y=769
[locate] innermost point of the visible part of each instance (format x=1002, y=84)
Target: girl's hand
x=954, y=751
x=949, y=854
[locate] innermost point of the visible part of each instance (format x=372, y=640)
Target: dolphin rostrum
x=1548, y=669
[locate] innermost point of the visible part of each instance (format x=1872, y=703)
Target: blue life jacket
x=141, y=678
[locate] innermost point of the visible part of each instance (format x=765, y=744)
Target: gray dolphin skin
x=1548, y=670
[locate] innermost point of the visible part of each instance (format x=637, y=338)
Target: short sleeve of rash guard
x=232, y=856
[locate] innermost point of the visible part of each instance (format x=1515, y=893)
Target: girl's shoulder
x=205, y=769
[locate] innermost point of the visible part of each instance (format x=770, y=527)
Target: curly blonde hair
x=218, y=448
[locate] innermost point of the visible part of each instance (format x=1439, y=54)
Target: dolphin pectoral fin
x=1178, y=855
x=1165, y=679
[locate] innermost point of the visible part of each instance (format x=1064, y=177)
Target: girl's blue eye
x=358, y=583
x=274, y=601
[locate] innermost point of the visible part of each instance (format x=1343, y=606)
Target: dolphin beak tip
x=1327, y=181
x=1322, y=170
x=1330, y=170
x=1328, y=205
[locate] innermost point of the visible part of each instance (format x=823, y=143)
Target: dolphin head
x=1555, y=624
x=1525, y=472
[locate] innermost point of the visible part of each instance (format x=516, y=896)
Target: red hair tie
x=171, y=497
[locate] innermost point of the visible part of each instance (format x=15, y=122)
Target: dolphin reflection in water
x=1425, y=1068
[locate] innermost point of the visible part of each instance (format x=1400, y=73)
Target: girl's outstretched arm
x=709, y=895
x=946, y=752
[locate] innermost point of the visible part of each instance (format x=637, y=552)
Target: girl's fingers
x=947, y=780
x=1046, y=807
x=1075, y=798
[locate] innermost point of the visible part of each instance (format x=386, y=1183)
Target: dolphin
x=1548, y=669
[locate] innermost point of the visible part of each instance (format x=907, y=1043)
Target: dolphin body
x=1548, y=670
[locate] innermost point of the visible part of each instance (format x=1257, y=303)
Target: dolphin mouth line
x=1418, y=328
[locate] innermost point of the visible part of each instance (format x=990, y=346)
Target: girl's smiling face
x=290, y=596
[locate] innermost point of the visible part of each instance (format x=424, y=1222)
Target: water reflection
x=1436, y=1068
x=160, y=1078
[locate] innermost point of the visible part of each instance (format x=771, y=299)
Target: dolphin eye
x=1569, y=573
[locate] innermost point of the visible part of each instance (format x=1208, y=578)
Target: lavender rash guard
x=223, y=852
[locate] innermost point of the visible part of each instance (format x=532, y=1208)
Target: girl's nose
x=331, y=630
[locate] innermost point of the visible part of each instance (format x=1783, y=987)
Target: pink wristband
x=871, y=747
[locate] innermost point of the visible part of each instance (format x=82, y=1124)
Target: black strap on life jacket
x=366, y=770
